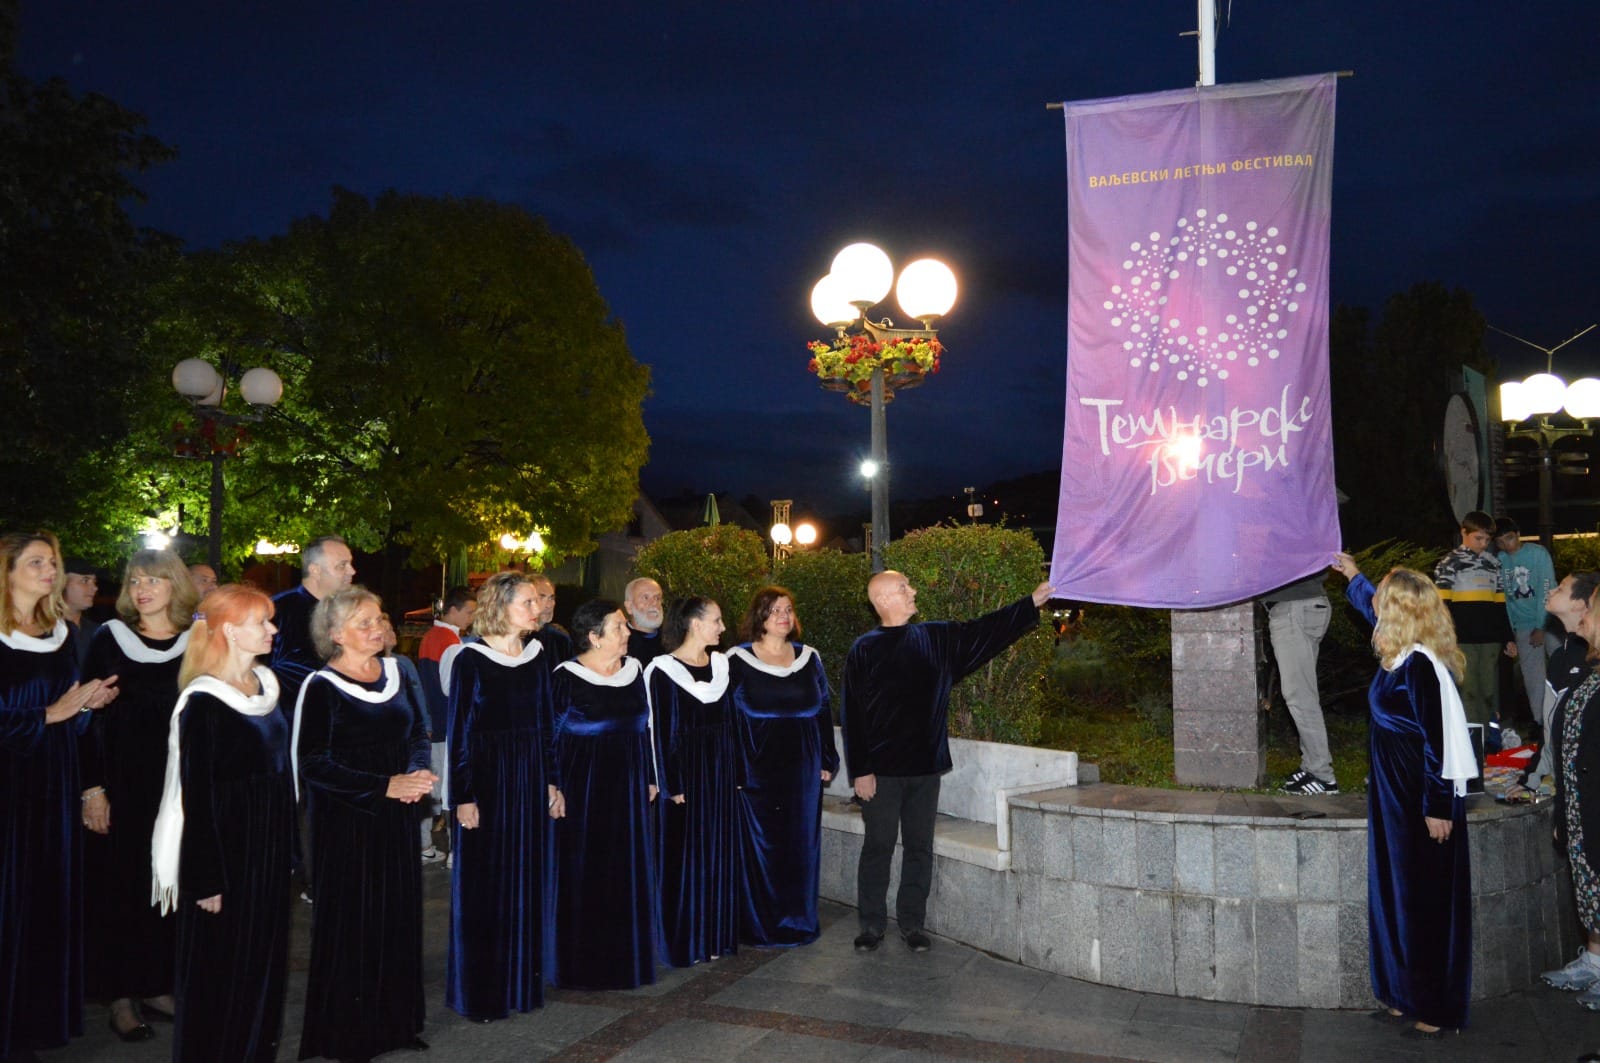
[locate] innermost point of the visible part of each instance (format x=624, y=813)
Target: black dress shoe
x=1384, y=1015
x=133, y=1035
x=917, y=941
x=418, y=1045
x=866, y=941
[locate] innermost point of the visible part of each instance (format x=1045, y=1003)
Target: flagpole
x=1207, y=17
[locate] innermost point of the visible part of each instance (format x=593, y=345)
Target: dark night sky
x=709, y=158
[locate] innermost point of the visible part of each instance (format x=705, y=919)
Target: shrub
x=830, y=597
x=962, y=571
x=723, y=562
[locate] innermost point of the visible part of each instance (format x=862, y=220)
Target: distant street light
x=1526, y=407
x=204, y=387
x=878, y=359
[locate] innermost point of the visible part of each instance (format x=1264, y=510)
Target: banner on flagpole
x=1197, y=462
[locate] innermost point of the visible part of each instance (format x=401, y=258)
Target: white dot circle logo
x=1252, y=332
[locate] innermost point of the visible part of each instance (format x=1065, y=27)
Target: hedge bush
x=830, y=597
x=960, y=572
x=723, y=562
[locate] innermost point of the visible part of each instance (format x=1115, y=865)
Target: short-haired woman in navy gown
x=784, y=728
x=699, y=836
x=43, y=709
x=500, y=762
x=606, y=906
x=224, y=841
x=1419, y=876
x=363, y=754
x=130, y=950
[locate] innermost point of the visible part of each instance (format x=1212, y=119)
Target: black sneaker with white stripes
x=1309, y=785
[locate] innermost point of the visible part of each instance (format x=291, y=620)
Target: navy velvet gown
x=700, y=838
x=1419, y=892
x=129, y=949
x=784, y=730
x=41, y=933
x=501, y=757
x=364, y=989
x=238, y=841
x=606, y=913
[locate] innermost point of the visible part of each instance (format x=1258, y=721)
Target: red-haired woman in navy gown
x=699, y=836
x=607, y=919
x=42, y=712
x=501, y=758
x=363, y=754
x=224, y=841
x=130, y=950
x=1419, y=875
x=784, y=724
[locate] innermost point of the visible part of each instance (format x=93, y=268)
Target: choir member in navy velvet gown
x=129, y=949
x=1419, y=877
x=500, y=762
x=557, y=643
x=224, y=841
x=42, y=712
x=606, y=907
x=699, y=834
x=784, y=732
x=362, y=753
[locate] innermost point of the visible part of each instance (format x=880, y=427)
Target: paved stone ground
x=825, y=1002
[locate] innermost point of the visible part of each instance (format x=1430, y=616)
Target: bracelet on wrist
x=96, y=792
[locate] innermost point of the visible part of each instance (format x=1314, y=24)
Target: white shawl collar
x=18, y=640
x=801, y=659
x=391, y=687
x=166, y=842
x=136, y=650
x=620, y=678
x=447, y=660
x=705, y=692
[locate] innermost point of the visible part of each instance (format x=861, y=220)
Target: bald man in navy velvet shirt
x=895, y=709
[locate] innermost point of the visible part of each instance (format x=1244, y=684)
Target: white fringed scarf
x=166, y=843
x=1456, y=761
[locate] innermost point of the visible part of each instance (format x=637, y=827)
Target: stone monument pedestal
x=1218, y=728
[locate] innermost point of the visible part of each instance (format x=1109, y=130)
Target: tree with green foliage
x=451, y=373
x=73, y=269
x=964, y=570
x=723, y=562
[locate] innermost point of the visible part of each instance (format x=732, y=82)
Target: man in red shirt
x=455, y=616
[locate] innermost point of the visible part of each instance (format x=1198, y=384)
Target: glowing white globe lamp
x=926, y=290
x=1582, y=399
x=829, y=304
x=864, y=274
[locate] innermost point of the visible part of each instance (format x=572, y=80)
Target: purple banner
x=1197, y=465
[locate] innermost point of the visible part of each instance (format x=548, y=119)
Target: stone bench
x=974, y=823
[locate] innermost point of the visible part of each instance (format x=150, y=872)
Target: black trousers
x=905, y=805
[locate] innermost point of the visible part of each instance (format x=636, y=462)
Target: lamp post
x=1526, y=407
x=198, y=381
x=872, y=360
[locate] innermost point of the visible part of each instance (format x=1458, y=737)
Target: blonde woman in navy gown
x=607, y=919
x=1419, y=875
x=500, y=760
x=699, y=836
x=784, y=727
x=42, y=712
x=224, y=841
x=362, y=753
x=130, y=950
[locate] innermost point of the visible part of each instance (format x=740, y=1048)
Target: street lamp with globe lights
x=205, y=387
x=871, y=360
x=1526, y=407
